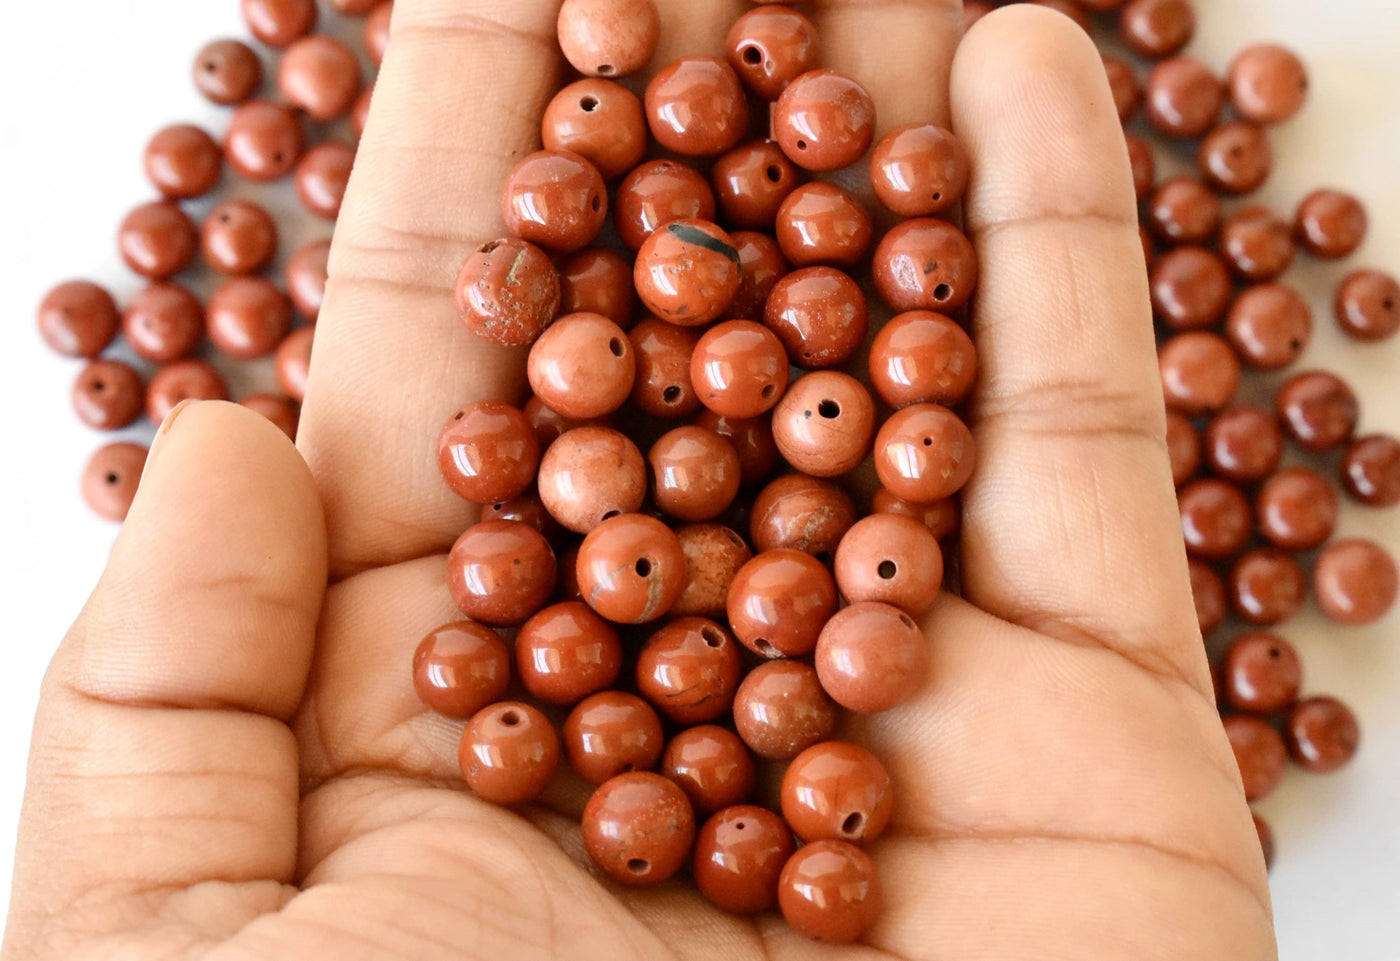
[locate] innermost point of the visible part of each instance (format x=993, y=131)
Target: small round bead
x=487, y=452
x=739, y=856
x=1330, y=224
x=549, y=425
x=78, y=319
x=1235, y=157
x=1123, y=85
x=695, y=473
x=525, y=507
x=608, y=38
x=925, y=264
x=278, y=23
x=751, y=182
x=1158, y=28
x=1268, y=83
x=322, y=177
x=1371, y=470
x=713, y=556
x=824, y=423
x=595, y=280
x=589, y=474
x=376, y=30
x=830, y=891
x=582, y=366
x=919, y=169
x=108, y=395
x=1318, y=410
x=739, y=369
x=924, y=453
x=769, y=47
x=1208, y=593
x=1199, y=371
x=689, y=670
x=820, y=315
x=180, y=381
x=1355, y=581
x=638, y=828
x=871, y=657
x=1267, y=586
x=761, y=266
x=631, y=568
x=922, y=357
x=227, y=72
x=687, y=272
x=752, y=440
x=819, y=223
x=509, y=752
x=599, y=120
x=711, y=765
x=657, y=193
x=892, y=559
x=610, y=733
x=307, y=274
x=837, y=791
x=1269, y=325
x=110, y=479
x=1184, y=211
x=780, y=709
x=1261, y=673
x=779, y=602
x=554, y=199
x=263, y=140
x=1257, y=244
x=566, y=652
x=1143, y=164
x=282, y=411
x=696, y=106
x=1190, y=288
x=164, y=322
x=158, y=239
x=1243, y=444
x=663, y=387
x=824, y=120
x=1322, y=734
x=238, y=238
x=1215, y=518
x=321, y=76
x=801, y=513
x=1183, y=97
x=1259, y=753
x=293, y=363
x=1184, y=447
x=459, y=668
x=183, y=161
x=507, y=292
x=501, y=572
x=248, y=317
x=1368, y=305
x=1297, y=509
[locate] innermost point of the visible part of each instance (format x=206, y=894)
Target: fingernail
x=167, y=424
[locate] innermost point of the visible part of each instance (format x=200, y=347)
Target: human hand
x=228, y=764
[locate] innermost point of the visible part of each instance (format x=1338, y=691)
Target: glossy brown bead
x=487, y=452
x=1267, y=586
x=460, y=668
x=752, y=440
x=696, y=106
x=1183, y=97
x=739, y=856
x=566, y=652
x=322, y=177
x=283, y=412
x=376, y=30
x=1190, y=288
x=1158, y=28
x=1269, y=325
x=891, y=559
x=183, y=161
x=830, y=891
x=1330, y=224
x=769, y=47
x=713, y=556
x=1235, y=157
x=820, y=315
x=942, y=517
x=1123, y=86
x=1355, y=581
x=554, y=199
x=1199, y=370
x=779, y=602
x=837, y=791
x=871, y=657
x=739, y=369
x=549, y=425
x=611, y=733
x=751, y=182
x=638, y=828
x=1184, y=447
x=1318, y=410
x=1256, y=243
x=1268, y=83
x=319, y=75
x=925, y=264
x=1208, y=593
x=824, y=423
x=582, y=366
x=500, y=572
x=1243, y=444
x=1184, y=211
x=919, y=169
x=248, y=317
x=263, y=141
x=631, y=569
x=108, y=395
x=711, y=765
x=1215, y=518
x=595, y=280
x=238, y=238
x=589, y=474
x=164, y=322
x=278, y=23
x=1370, y=470
x=781, y=710
x=656, y=193
x=695, y=473
x=307, y=274
x=824, y=120
x=599, y=120
x=1259, y=753
x=819, y=223
x=181, y=381
x=292, y=363
x=1322, y=734
x=663, y=387
x=78, y=319
x=525, y=507
x=1368, y=305
x=509, y=752
x=507, y=292
x=924, y=453
x=801, y=513
x=687, y=272
x=157, y=239
x=1297, y=509
x=922, y=357
x=608, y=38
x=1143, y=165
x=227, y=72
x=689, y=670
x=110, y=479
x=761, y=266
x=1261, y=673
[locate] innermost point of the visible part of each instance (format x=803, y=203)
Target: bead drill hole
x=210, y=67
x=638, y=865
x=671, y=395
x=928, y=441
x=112, y=478
x=763, y=647
x=713, y=638
x=224, y=218
x=489, y=246
x=767, y=391
x=99, y=385
x=937, y=195
x=942, y=292
x=734, y=538
x=643, y=567
x=887, y=570
x=510, y=719
x=752, y=55
x=597, y=204
x=739, y=825
x=588, y=104
x=459, y=415
x=278, y=157
x=853, y=824
x=907, y=621
x=829, y=409
x=615, y=347
x=1274, y=653
x=801, y=145
x=1388, y=304
x=609, y=515
x=606, y=69
x=627, y=768
x=774, y=173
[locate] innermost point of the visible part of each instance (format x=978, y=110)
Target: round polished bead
x=1355, y=581
x=922, y=357
x=180, y=381
x=1184, y=447
x=78, y=319
x=507, y=292
x=183, y=161
x=752, y=440
x=610, y=733
x=608, y=38
x=1368, y=305
x=830, y=891
x=1370, y=470
x=108, y=395
x=549, y=425
x=293, y=362
x=1215, y=518
x=590, y=474
x=801, y=513
x=319, y=75
x=1268, y=83
x=263, y=141
x=322, y=177
x=1318, y=410
x=824, y=120
x=278, y=23
x=689, y=670
x=924, y=453
x=566, y=652
x=925, y=264
x=308, y=272
x=227, y=72
x=1261, y=673
x=1235, y=157
x=871, y=657
x=1243, y=444
x=1297, y=509
x=459, y=668
x=761, y=266
x=164, y=322
x=779, y=602
x=1199, y=370
x=662, y=387
x=769, y=47
x=942, y=517
x=1267, y=586
x=657, y=193
x=711, y=765
x=487, y=452
x=687, y=272
x=819, y=223
x=110, y=479
x=501, y=572
x=1190, y=288
x=1259, y=753
x=1330, y=224
x=248, y=317
x=1269, y=325
x=1322, y=734
x=1158, y=28
x=597, y=281
x=554, y=199
x=509, y=752
x=919, y=169
x=1143, y=164
x=739, y=856
x=695, y=473
x=713, y=555
x=739, y=369
x=599, y=120
x=837, y=791
x=1183, y=97
x=696, y=106
x=1123, y=85
x=582, y=366
x=780, y=709
x=892, y=559
x=751, y=182
x=238, y=238
x=631, y=568
x=820, y=315
x=824, y=423
x=525, y=507
x=1257, y=244
x=157, y=239
x=638, y=828
x=1184, y=211
x=1208, y=594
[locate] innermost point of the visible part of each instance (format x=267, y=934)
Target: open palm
x=230, y=761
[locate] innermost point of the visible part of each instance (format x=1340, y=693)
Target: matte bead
x=78, y=319
x=1268, y=83
x=601, y=121
x=801, y=513
x=1297, y=509
x=554, y=199
x=891, y=559
x=924, y=453
x=824, y=120
x=608, y=38
x=921, y=357
x=925, y=264
x=711, y=765
x=819, y=223
x=689, y=670
x=459, y=668
x=781, y=710
x=751, y=182
x=631, y=569
x=1322, y=734
x=779, y=602
x=500, y=572
x=582, y=366
x=830, y=891
x=1261, y=673
x=687, y=272
x=638, y=828
x=695, y=473
x=180, y=381
x=871, y=657
x=656, y=193
x=566, y=652
x=696, y=106
x=819, y=314
x=507, y=292
x=1215, y=518
x=919, y=169
x=663, y=387
x=739, y=856
x=1259, y=753
x=824, y=422
x=108, y=395
x=509, y=752
x=769, y=47
x=590, y=474
x=713, y=556
x=1355, y=581
x=837, y=791
x=110, y=479
x=487, y=452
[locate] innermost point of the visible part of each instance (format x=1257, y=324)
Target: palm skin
x=230, y=762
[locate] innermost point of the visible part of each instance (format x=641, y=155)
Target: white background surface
x=85, y=82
